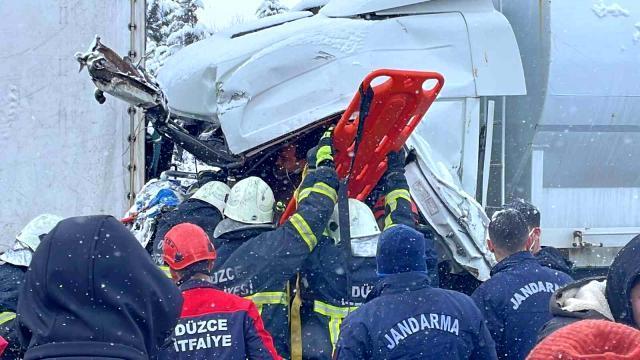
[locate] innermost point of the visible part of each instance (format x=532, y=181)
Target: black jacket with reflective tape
x=335, y=280
x=260, y=267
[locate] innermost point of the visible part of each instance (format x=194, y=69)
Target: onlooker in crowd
x=405, y=318
x=515, y=299
x=92, y=291
x=615, y=297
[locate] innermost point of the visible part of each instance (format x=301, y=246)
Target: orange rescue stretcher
x=378, y=121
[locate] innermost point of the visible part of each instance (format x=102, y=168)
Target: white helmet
x=40, y=225
x=250, y=201
x=214, y=193
x=362, y=223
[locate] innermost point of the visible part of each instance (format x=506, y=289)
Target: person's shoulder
x=237, y=302
x=554, y=274
x=486, y=287
x=369, y=310
x=222, y=301
x=456, y=297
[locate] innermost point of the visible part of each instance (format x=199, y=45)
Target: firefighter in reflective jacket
x=257, y=261
x=213, y=324
x=340, y=274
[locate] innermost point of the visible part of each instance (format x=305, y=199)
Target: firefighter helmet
x=186, y=244
x=362, y=223
x=214, y=193
x=40, y=225
x=251, y=201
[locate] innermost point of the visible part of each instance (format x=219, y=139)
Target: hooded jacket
x=623, y=274
x=582, y=300
x=515, y=301
x=599, y=298
x=193, y=211
x=93, y=291
x=405, y=318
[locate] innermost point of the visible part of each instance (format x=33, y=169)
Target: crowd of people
x=229, y=281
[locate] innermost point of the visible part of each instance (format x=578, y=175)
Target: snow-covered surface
x=266, y=84
x=62, y=152
x=262, y=23
x=308, y=4
x=603, y=9
x=270, y=8
x=344, y=8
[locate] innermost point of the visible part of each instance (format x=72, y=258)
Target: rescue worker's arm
x=353, y=342
x=258, y=342
x=396, y=190
x=272, y=258
x=398, y=206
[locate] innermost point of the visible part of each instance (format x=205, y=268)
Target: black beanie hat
x=401, y=249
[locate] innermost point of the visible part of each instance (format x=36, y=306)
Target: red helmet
x=186, y=244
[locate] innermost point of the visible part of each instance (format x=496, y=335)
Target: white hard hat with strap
x=214, y=193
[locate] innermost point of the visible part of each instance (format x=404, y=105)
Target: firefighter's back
x=217, y=325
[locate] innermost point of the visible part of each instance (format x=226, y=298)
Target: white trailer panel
x=62, y=152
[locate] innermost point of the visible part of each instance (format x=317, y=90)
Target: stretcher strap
x=296, y=323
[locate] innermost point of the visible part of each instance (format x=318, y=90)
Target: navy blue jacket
x=405, y=318
x=515, y=302
x=93, y=292
x=194, y=211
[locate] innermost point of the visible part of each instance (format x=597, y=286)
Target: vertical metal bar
x=502, y=150
x=488, y=146
x=137, y=38
x=132, y=110
x=537, y=167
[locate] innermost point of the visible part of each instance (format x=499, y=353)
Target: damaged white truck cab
x=268, y=81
